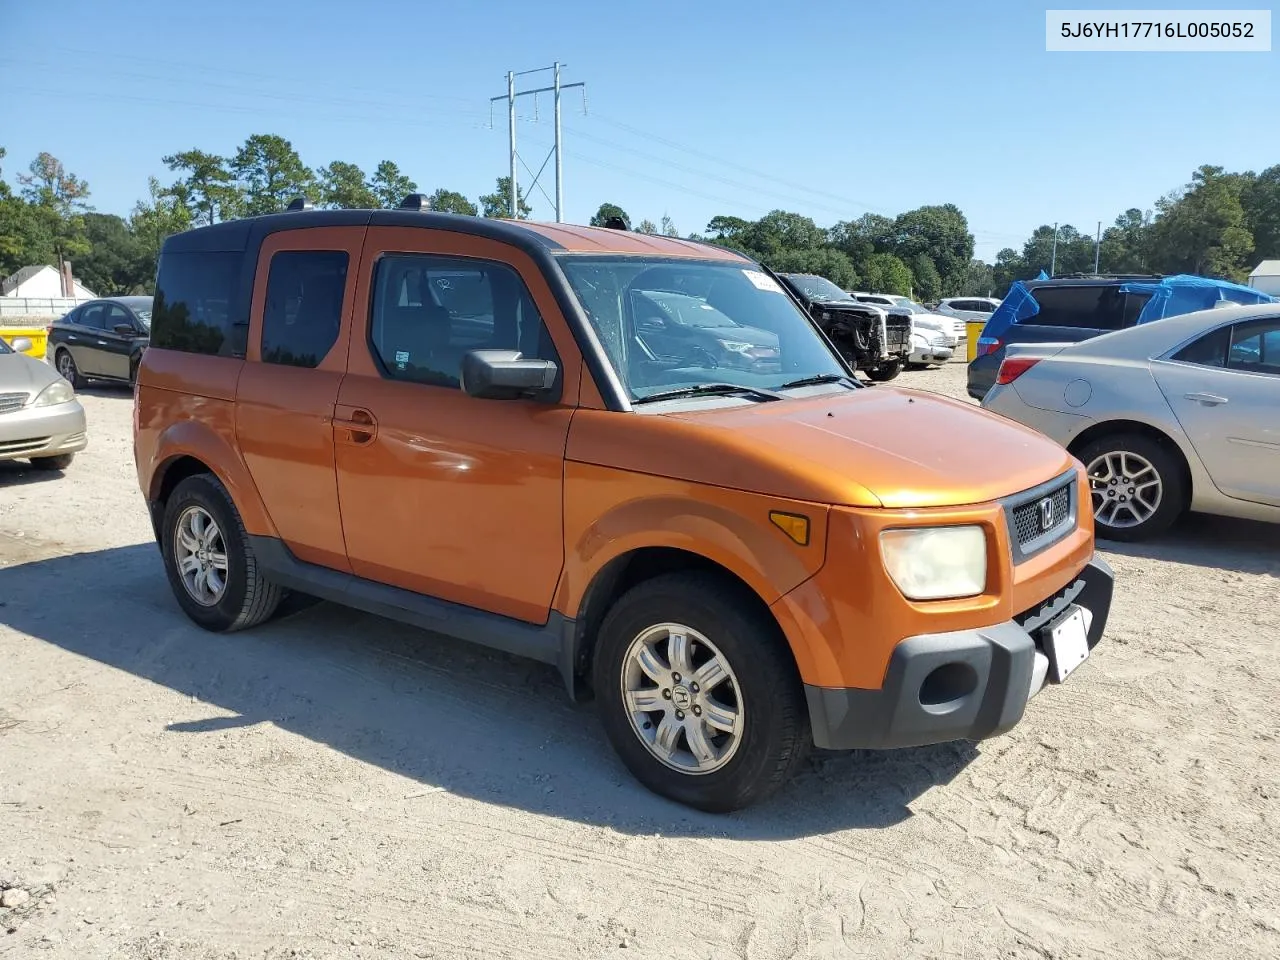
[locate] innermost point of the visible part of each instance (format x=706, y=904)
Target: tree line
x=1218, y=225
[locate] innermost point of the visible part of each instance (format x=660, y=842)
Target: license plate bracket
x=1066, y=642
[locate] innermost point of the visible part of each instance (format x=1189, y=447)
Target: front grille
x=9, y=402
x=1041, y=516
x=898, y=333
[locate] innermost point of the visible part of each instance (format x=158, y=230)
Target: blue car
x=1078, y=307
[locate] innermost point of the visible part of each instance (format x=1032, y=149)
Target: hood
x=904, y=447
x=19, y=373
x=850, y=306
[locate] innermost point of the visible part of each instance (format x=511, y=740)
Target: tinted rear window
x=195, y=303
x=1099, y=308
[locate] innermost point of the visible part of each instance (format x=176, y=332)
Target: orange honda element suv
x=634, y=458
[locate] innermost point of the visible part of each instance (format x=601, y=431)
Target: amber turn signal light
x=792, y=524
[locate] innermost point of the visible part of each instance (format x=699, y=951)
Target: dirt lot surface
x=334, y=785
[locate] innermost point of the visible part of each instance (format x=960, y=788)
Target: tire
x=60, y=462
x=887, y=372
x=773, y=735
x=1160, y=463
x=65, y=364
x=246, y=598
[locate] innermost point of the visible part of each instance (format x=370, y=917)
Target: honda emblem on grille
x=1046, y=514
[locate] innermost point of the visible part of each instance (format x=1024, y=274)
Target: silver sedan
x=40, y=418
x=1180, y=414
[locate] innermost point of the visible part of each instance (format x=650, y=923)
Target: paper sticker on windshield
x=762, y=281
x=402, y=359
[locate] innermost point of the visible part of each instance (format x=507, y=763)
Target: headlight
x=936, y=563
x=57, y=392
x=737, y=346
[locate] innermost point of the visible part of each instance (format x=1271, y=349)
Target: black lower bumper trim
x=963, y=685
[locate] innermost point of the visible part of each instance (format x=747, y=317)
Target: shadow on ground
x=447, y=714
x=1222, y=543
x=20, y=473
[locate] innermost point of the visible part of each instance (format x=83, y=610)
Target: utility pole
x=1097, y=248
x=559, y=164
x=511, y=128
x=511, y=96
x=1053, y=257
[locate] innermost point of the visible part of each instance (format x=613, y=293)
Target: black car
x=688, y=328
x=1072, y=309
x=870, y=340
x=101, y=340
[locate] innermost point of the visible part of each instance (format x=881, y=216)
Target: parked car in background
x=893, y=303
x=101, y=340
x=685, y=327
x=968, y=309
x=40, y=418
x=739, y=564
x=866, y=336
x=1169, y=416
x=1078, y=307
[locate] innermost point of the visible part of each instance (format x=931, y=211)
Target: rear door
x=85, y=339
x=299, y=331
x=1225, y=391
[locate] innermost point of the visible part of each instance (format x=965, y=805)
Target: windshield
x=144, y=316
x=669, y=324
x=817, y=288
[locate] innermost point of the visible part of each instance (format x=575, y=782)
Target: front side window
x=429, y=311
x=303, y=312
x=1255, y=347
x=671, y=324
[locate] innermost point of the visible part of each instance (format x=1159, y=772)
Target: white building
x=1266, y=277
x=42, y=282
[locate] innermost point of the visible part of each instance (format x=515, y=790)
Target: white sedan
x=1178, y=414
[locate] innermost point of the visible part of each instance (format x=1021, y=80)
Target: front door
x=116, y=342
x=299, y=331
x=1225, y=391
x=443, y=494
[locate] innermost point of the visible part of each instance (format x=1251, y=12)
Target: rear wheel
x=66, y=366
x=886, y=372
x=699, y=695
x=209, y=561
x=1137, y=484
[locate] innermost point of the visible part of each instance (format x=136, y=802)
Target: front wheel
x=886, y=372
x=1136, y=484
x=209, y=561
x=59, y=462
x=699, y=695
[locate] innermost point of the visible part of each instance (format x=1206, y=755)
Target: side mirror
x=125, y=329
x=505, y=375
x=22, y=344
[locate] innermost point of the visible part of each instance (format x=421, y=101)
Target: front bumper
x=43, y=431
x=932, y=354
x=962, y=685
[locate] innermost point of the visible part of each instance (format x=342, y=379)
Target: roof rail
x=300, y=203
x=415, y=201
x=1107, y=276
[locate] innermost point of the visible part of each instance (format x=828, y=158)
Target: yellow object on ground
x=973, y=330
x=38, y=336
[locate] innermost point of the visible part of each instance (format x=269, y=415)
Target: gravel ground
x=335, y=785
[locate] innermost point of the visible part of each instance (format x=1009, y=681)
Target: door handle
x=1208, y=399
x=359, y=426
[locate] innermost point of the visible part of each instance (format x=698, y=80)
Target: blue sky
x=693, y=108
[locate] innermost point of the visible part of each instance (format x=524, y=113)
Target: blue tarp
x=1170, y=297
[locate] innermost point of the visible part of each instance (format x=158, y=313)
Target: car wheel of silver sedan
x=1137, y=484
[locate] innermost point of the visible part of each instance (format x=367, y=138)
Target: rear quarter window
x=195, y=304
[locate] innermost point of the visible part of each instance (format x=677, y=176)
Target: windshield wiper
x=820, y=378
x=710, y=389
